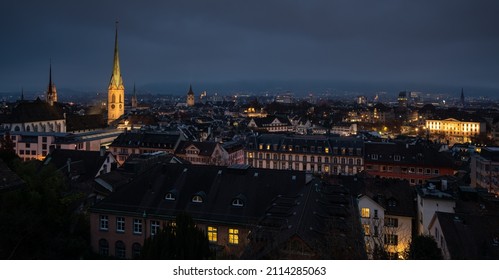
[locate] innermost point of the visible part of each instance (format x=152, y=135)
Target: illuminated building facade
x=116, y=89
x=316, y=154
x=51, y=95
x=454, y=130
x=415, y=162
x=190, y=97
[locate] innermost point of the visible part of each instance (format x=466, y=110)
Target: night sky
x=451, y=43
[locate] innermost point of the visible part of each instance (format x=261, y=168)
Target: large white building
x=454, y=130
x=37, y=145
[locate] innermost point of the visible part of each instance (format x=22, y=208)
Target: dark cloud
x=439, y=42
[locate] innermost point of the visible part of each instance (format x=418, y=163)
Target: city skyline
x=445, y=45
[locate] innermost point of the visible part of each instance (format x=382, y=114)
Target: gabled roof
x=469, y=236
x=205, y=148
x=86, y=164
x=85, y=122
x=396, y=196
x=147, y=139
x=220, y=184
x=264, y=122
x=8, y=179
x=418, y=153
x=33, y=111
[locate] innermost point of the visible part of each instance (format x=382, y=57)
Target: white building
x=387, y=221
x=429, y=201
x=485, y=169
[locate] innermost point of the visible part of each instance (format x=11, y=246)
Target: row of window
x=119, y=249
x=411, y=170
x=120, y=225
x=312, y=149
x=212, y=232
x=199, y=199
x=305, y=158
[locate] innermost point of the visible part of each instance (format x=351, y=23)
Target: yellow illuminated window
x=367, y=229
x=364, y=212
x=326, y=150
x=233, y=236
x=212, y=234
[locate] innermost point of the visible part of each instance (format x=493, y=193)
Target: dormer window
x=238, y=202
x=374, y=157
x=170, y=196
x=396, y=157
x=197, y=199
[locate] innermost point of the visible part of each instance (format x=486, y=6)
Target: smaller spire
x=462, y=97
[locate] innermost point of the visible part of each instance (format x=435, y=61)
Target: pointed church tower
x=51, y=95
x=134, y=98
x=462, y=97
x=116, y=90
x=190, y=97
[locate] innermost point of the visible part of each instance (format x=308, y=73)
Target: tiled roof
x=85, y=122
x=8, y=179
x=86, y=164
x=470, y=236
x=35, y=111
x=146, y=139
x=205, y=148
x=220, y=186
x=409, y=153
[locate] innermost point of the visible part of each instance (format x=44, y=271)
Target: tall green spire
x=116, y=80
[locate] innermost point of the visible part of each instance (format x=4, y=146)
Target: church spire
x=116, y=79
x=51, y=95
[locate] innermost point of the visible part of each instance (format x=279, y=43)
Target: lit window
x=104, y=222
x=364, y=213
x=197, y=199
x=137, y=226
x=154, y=227
x=120, y=224
x=233, y=236
x=367, y=230
x=391, y=239
x=212, y=234
x=237, y=202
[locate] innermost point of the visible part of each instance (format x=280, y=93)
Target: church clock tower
x=116, y=90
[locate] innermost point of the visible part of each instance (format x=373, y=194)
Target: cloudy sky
x=452, y=43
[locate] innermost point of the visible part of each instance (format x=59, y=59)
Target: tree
x=7, y=152
x=179, y=241
x=37, y=221
x=424, y=247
